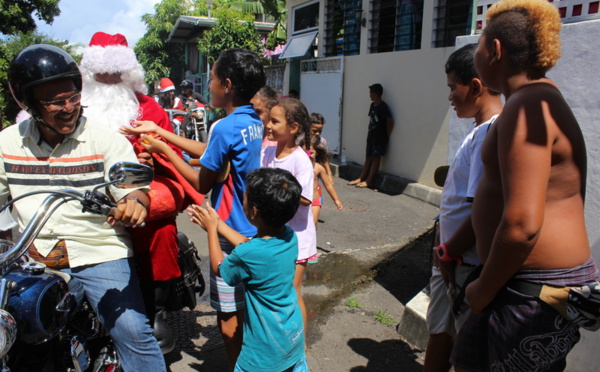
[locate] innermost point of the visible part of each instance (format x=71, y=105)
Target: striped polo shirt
x=80, y=162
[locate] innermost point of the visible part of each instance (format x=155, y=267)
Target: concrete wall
x=577, y=76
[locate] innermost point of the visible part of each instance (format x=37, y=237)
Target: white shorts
x=439, y=312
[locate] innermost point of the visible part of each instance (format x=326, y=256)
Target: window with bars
x=452, y=18
x=395, y=25
x=342, y=27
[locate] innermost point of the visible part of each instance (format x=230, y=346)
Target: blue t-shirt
x=273, y=329
x=236, y=138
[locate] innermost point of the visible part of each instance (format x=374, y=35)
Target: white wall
x=577, y=76
x=414, y=84
x=579, y=80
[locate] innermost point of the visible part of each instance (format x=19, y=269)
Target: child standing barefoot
x=289, y=119
x=319, y=156
x=273, y=325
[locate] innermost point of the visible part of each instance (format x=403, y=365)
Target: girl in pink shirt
x=289, y=120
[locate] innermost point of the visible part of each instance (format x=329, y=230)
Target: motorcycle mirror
x=129, y=175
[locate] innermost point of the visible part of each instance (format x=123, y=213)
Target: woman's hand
x=140, y=127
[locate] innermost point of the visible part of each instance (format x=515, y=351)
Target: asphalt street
x=373, y=258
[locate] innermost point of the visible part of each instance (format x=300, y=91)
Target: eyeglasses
x=60, y=104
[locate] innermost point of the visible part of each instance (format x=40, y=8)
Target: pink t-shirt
x=298, y=163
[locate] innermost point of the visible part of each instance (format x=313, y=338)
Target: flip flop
x=362, y=185
x=352, y=183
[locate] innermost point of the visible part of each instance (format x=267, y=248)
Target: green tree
x=275, y=9
x=159, y=58
x=9, y=48
x=232, y=29
x=16, y=15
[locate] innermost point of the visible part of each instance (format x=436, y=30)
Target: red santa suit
x=155, y=245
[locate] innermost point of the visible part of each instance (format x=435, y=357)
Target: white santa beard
x=114, y=105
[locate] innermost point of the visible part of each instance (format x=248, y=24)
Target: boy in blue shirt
x=273, y=331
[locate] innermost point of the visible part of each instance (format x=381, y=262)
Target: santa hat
x=108, y=54
x=166, y=85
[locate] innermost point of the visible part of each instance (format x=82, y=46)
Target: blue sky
x=80, y=19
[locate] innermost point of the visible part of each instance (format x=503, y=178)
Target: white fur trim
x=110, y=59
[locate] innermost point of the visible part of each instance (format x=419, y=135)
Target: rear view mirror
x=129, y=175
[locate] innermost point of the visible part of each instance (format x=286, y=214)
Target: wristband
x=442, y=253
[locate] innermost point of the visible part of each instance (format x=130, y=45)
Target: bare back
x=532, y=192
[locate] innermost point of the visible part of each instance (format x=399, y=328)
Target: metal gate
x=321, y=87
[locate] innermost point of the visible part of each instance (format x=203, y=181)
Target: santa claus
x=114, y=94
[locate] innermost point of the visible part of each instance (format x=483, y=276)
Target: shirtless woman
x=528, y=212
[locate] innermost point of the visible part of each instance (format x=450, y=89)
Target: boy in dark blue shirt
x=381, y=123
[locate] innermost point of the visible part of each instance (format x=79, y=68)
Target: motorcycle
x=194, y=122
x=42, y=328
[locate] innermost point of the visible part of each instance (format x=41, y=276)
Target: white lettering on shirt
x=252, y=133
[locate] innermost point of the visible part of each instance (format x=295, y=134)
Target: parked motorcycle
x=194, y=122
x=42, y=328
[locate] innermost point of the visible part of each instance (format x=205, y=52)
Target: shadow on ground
x=406, y=272
x=385, y=355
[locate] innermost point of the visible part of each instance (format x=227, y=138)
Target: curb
x=389, y=183
x=413, y=325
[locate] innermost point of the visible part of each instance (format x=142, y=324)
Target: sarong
x=521, y=333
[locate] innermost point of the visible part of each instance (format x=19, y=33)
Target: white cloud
x=80, y=19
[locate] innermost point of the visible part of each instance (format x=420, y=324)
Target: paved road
x=374, y=257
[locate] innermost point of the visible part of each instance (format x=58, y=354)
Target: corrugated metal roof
x=191, y=27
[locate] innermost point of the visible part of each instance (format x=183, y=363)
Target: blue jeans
x=113, y=290
x=300, y=366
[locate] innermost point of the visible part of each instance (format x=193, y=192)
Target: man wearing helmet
x=189, y=97
x=58, y=148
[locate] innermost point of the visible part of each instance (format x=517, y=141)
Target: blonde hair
x=530, y=29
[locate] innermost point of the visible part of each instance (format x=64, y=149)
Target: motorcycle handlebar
x=95, y=202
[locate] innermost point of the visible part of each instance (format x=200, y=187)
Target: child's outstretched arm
x=327, y=167
x=156, y=146
x=208, y=219
x=194, y=148
x=324, y=177
x=232, y=236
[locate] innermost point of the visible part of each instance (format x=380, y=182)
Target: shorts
x=300, y=366
x=515, y=332
x=320, y=191
x=224, y=297
x=376, y=149
x=439, y=312
x=311, y=258
x=317, y=202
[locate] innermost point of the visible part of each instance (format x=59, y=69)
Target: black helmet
x=186, y=84
x=35, y=65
